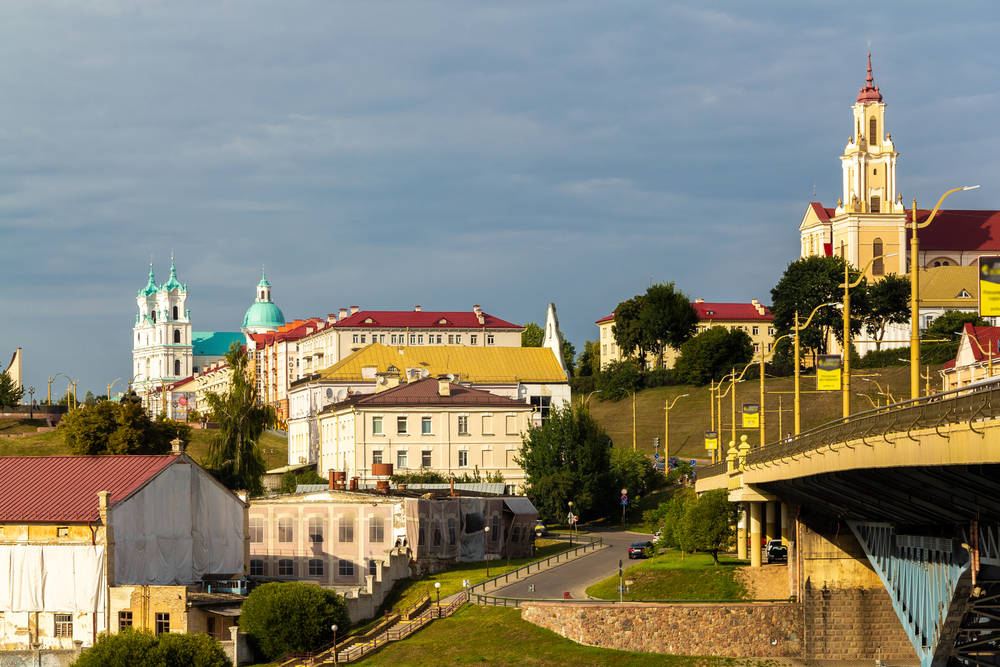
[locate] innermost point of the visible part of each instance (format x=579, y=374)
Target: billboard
x=751, y=415
x=989, y=286
x=182, y=403
x=828, y=372
x=711, y=440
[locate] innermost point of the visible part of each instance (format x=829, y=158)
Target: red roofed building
x=94, y=543
x=277, y=360
x=753, y=318
x=978, y=357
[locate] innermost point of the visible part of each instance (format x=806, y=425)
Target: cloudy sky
x=446, y=154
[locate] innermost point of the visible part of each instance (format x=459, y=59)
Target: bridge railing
x=971, y=404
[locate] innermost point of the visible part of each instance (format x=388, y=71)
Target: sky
x=389, y=154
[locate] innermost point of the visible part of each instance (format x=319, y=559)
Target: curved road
x=575, y=576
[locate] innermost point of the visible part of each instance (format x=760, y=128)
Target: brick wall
x=735, y=630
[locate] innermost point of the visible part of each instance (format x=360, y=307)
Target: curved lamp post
x=798, y=330
x=667, y=405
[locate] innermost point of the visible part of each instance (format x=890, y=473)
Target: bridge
x=892, y=521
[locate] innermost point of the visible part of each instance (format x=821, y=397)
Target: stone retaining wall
x=763, y=630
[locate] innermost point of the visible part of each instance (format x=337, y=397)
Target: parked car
x=775, y=550
x=674, y=462
x=656, y=535
x=641, y=549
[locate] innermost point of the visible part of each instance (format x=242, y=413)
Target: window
x=472, y=340
x=425, y=425
x=876, y=205
x=401, y=459
x=487, y=424
x=392, y=339
x=175, y=312
x=878, y=266
x=377, y=425
x=285, y=529
x=489, y=339
x=376, y=529
x=451, y=532
x=458, y=340
x=756, y=331
x=463, y=425
x=363, y=339
x=162, y=624
x=515, y=533
x=177, y=335
x=373, y=567
x=213, y=628
x=355, y=339
x=401, y=425
x=420, y=339
x=345, y=528
x=256, y=530
x=315, y=567
x=256, y=567
x=285, y=567
x=542, y=405
x=872, y=131
x=345, y=568
x=770, y=346
x=154, y=316
x=463, y=459
x=425, y=459
x=124, y=619
x=62, y=531
x=756, y=348
x=451, y=339
x=495, y=530
x=177, y=367
x=381, y=338
x=64, y=625
x=413, y=339
x=422, y=532
x=770, y=331
x=377, y=456
x=315, y=529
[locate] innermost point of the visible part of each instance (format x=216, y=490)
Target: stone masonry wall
x=734, y=630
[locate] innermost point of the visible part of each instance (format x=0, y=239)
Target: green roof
x=264, y=314
x=263, y=281
x=172, y=284
x=150, y=287
x=214, y=343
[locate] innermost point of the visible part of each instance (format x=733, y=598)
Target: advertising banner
x=181, y=403
x=751, y=415
x=711, y=440
x=989, y=286
x=828, y=372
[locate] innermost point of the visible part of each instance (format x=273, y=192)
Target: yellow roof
x=941, y=286
x=480, y=365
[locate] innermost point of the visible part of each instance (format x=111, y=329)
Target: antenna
x=814, y=190
x=424, y=372
x=341, y=394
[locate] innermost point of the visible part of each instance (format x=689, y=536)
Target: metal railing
x=594, y=544
x=974, y=403
x=500, y=601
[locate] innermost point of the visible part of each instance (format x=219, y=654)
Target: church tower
x=869, y=219
x=263, y=316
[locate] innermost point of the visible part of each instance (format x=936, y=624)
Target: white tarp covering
x=52, y=578
x=178, y=528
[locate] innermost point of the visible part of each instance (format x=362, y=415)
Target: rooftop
x=422, y=319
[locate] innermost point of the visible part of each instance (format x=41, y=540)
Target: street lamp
x=874, y=405
x=798, y=331
x=31, y=403
x=437, y=588
x=109, y=388
x=586, y=401
x=883, y=392
x=334, y=628
x=846, y=381
x=571, y=522
x=666, y=428
x=51, y=379
x=915, y=291
x=982, y=351
x=487, y=530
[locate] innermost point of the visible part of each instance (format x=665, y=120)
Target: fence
x=498, y=601
x=594, y=544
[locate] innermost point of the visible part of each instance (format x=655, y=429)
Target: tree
x=589, y=361
x=233, y=455
x=628, y=332
x=810, y=282
x=668, y=517
x=568, y=458
x=708, y=523
x=88, y=399
x=113, y=428
x=10, y=393
x=667, y=318
x=889, y=303
x=634, y=471
x=618, y=380
x=290, y=480
x=712, y=354
x=534, y=336
x=137, y=648
x=281, y=617
x=943, y=333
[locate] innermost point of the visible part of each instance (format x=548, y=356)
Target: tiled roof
x=824, y=214
x=64, y=488
x=940, y=287
x=609, y=318
x=294, y=330
x=421, y=319
x=425, y=392
x=988, y=338
x=720, y=311
x=959, y=230
x=479, y=365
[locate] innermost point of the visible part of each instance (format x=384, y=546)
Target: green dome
x=265, y=315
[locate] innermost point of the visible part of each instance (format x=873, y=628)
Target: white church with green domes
x=165, y=350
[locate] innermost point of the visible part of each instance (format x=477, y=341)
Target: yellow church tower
x=869, y=219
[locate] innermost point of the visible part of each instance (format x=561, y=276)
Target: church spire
x=150, y=287
x=869, y=92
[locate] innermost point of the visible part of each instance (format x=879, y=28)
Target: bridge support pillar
x=784, y=524
x=755, y=512
x=741, y=532
x=770, y=525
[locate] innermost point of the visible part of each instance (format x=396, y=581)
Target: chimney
x=476, y=309
x=177, y=445
x=416, y=309
x=331, y=318
x=333, y=484
x=343, y=314
x=354, y=309
x=699, y=301
x=444, y=386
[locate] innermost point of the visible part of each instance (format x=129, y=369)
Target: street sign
x=656, y=457
x=531, y=588
x=693, y=462
x=624, y=500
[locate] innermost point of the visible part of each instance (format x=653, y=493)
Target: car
x=656, y=535
x=674, y=462
x=641, y=549
x=775, y=550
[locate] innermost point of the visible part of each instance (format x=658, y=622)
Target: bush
x=660, y=377
x=280, y=618
x=136, y=648
x=119, y=428
x=290, y=480
x=618, y=380
x=883, y=358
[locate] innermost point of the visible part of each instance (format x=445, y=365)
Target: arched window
x=175, y=312
x=262, y=295
x=878, y=266
x=177, y=368
x=153, y=315
x=937, y=263
x=872, y=131
x=177, y=335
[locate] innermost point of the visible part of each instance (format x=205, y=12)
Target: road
x=575, y=576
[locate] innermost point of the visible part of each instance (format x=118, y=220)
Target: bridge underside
x=918, y=495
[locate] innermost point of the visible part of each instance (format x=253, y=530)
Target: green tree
x=89, y=400
x=618, y=380
x=634, y=471
x=234, y=455
x=290, y=480
x=940, y=339
x=667, y=318
x=628, y=332
x=136, y=648
x=10, y=393
x=112, y=428
x=282, y=617
x=708, y=523
x=421, y=476
x=888, y=303
x=589, y=361
x=712, y=354
x=568, y=458
x=668, y=516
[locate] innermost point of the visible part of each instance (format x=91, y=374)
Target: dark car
x=775, y=550
x=643, y=549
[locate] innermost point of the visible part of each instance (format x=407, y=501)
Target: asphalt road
x=575, y=576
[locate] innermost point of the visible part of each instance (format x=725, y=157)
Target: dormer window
x=963, y=295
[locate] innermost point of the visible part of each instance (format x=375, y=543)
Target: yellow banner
x=828, y=372
x=989, y=286
x=751, y=415
x=711, y=440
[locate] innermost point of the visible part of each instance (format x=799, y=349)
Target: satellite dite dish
x=341, y=394
x=451, y=377
x=424, y=372
x=329, y=393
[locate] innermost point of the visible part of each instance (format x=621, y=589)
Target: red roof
x=295, y=330
x=824, y=214
x=425, y=392
x=609, y=318
x=422, y=319
x=63, y=489
x=869, y=91
x=721, y=311
x=958, y=230
x=988, y=338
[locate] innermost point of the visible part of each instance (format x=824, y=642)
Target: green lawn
x=674, y=575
